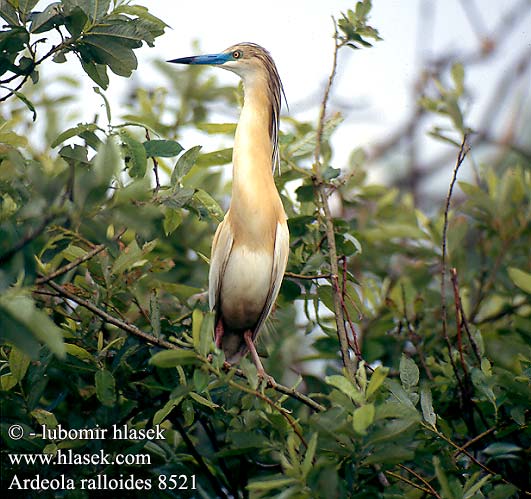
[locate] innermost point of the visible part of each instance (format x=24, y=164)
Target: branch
x=309, y=277
x=470, y=456
x=34, y=234
x=130, y=328
x=423, y=480
x=78, y=261
x=460, y=314
x=220, y=492
x=330, y=235
x=125, y=326
x=463, y=150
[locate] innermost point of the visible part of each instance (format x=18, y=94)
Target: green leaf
x=203, y=401
x=44, y=417
x=426, y=405
x=399, y=393
x=94, y=9
x=206, y=334
x=172, y=220
x=74, y=154
x=97, y=72
x=184, y=164
x=135, y=155
x=458, y=76
x=264, y=485
x=25, y=6
x=105, y=50
x=9, y=13
x=178, y=198
x=207, y=205
x=390, y=454
x=520, y=278
x=481, y=382
x=377, y=378
x=105, y=387
x=79, y=352
x=18, y=363
x=130, y=257
x=215, y=158
x=310, y=454
x=27, y=103
x=162, y=148
x=443, y=479
x=47, y=19
x=72, y=132
x=197, y=320
x=15, y=305
x=409, y=373
x=362, y=418
x=225, y=128
x=346, y=386
x=501, y=448
x=173, y=358
x=163, y=413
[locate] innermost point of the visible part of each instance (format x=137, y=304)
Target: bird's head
x=245, y=59
x=254, y=65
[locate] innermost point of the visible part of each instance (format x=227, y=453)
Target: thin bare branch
x=328, y=221
x=463, y=150
x=75, y=263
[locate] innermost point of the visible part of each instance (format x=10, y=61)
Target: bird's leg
x=218, y=333
x=248, y=337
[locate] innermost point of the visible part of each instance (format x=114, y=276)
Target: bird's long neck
x=255, y=204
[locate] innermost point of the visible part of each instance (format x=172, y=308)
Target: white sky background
x=374, y=84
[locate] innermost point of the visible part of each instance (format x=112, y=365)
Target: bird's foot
x=248, y=337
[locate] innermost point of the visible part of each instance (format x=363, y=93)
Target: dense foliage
x=105, y=232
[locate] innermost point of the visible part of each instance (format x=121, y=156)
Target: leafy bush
x=419, y=324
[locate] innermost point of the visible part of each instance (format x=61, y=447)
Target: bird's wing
x=280, y=260
x=221, y=248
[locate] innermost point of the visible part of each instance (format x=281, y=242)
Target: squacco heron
x=251, y=245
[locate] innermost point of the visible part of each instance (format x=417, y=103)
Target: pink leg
x=248, y=337
x=218, y=333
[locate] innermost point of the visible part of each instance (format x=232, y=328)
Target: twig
x=329, y=224
x=475, y=439
x=469, y=455
x=78, y=261
x=220, y=492
x=309, y=277
x=289, y=418
x=458, y=324
x=130, y=328
x=421, y=478
x=409, y=482
x=125, y=326
x=462, y=316
x=463, y=150
x=155, y=167
x=34, y=234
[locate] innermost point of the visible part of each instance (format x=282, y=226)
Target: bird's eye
x=237, y=54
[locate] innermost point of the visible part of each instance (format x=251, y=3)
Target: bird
x=251, y=245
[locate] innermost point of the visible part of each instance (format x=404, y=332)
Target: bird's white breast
x=245, y=285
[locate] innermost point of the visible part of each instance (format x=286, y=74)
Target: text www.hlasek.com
x=69, y=457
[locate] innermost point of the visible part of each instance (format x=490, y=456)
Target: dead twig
x=463, y=150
